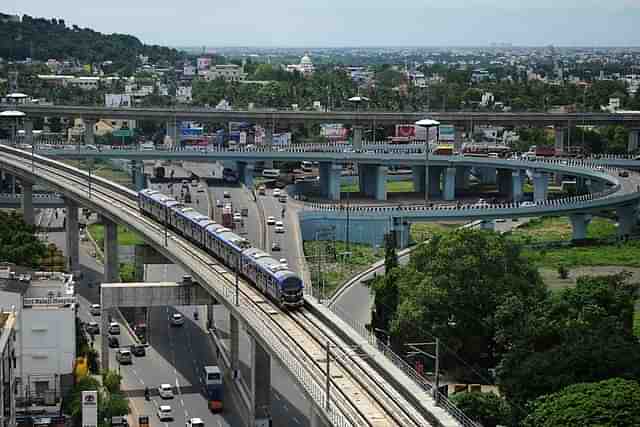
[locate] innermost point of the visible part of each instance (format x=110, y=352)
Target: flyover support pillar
x=234, y=332
x=435, y=174
x=72, y=238
x=137, y=172
x=111, y=262
x=516, y=191
x=462, y=178
x=173, y=132
x=267, y=142
x=260, y=385
x=579, y=223
x=633, y=140
x=373, y=181
x=488, y=175
x=627, y=220
x=559, y=143
x=245, y=171
x=330, y=174
x=380, y=183
x=401, y=229
x=357, y=137
x=28, y=132
x=450, y=184
x=27, y=202
x=457, y=141
x=540, y=186
x=89, y=127
x=418, y=173
x=504, y=182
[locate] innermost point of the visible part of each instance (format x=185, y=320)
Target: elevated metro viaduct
x=351, y=405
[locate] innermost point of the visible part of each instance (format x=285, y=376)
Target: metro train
x=267, y=274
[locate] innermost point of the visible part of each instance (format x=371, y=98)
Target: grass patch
x=550, y=229
x=636, y=323
x=621, y=255
x=326, y=263
x=392, y=187
x=125, y=236
x=422, y=231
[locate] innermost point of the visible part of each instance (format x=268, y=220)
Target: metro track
x=301, y=332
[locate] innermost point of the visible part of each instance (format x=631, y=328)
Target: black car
x=113, y=341
x=138, y=350
x=275, y=247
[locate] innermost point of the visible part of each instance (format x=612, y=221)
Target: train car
x=212, y=381
x=272, y=278
x=156, y=204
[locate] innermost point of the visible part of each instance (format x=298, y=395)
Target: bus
x=271, y=173
x=306, y=166
x=212, y=381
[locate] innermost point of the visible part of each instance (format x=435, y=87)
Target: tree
x=390, y=255
x=111, y=381
x=610, y=403
x=18, y=242
x=487, y=409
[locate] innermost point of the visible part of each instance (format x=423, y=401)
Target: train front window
x=292, y=285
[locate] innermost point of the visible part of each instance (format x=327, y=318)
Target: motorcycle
x=146, y=393
x=195, y=315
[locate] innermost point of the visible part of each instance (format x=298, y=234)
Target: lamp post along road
x=427, y=124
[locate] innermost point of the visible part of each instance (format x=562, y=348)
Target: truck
x=227, y=217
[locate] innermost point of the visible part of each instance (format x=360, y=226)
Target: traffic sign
x=122, y=132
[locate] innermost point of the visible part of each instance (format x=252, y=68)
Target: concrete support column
x=540, y=186
x=462, y=178
x=28, y=131
x=488, y=176
x=596, y=185
x=418, y=173
x=11, y=182
x=435, y=175
x=245, y=170
x=234, y=332
x=111, y=263
x=559, y=144
x=267, y=142
x=582, y=185
x=516, y=191
x=450, y=184
x=72, y=237
x=457, y=142
x=627, y=220
x=173, y=132
x=27, y=202
x=579, y=223
x=380, y=182
x=137, y=172
x=504, y=182
x=260, y=385
x=334, y=175
x=633, y=140
x=401, y=228
x=357, y=137
x=89, y=127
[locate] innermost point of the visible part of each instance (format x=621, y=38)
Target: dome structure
x=306, y=60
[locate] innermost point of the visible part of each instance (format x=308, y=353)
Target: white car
x=114, y=328
x=279, y=227
x=165, y=391
x=226, y=194
x=195, y=422
x=237, y=217
x=527, y=204
x=165, y=413
x=176, y=319
x=271, y=220
x=95, y=309
x=276, y=192
x=219, y=203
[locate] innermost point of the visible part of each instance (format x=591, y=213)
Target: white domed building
x=305, y=66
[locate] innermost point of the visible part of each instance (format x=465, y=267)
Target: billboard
x=191, y=131
x=447, y=133
x=281, y=138
x=90, y=408
x=334, y=131
x=412, y=132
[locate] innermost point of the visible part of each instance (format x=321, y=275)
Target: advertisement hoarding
x=447, y=133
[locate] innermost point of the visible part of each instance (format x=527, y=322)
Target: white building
x=85, y=83
x=7, y=367
x=305, y=66
x=203, y=63
x=45, y=333
x=228, y=72
x=188, y=70
x=487, y=99
x=183, y=94
x=117, y=100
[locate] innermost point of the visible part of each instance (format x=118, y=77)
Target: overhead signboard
x=122, y=133
x=447, y=133
x=90, y=408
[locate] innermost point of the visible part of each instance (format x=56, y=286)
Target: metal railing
x=48, y=301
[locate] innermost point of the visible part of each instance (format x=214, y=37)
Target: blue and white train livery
x=266, y=273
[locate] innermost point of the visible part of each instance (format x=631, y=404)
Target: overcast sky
x=351, y=22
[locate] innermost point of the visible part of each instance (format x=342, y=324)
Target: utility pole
x=328, y=379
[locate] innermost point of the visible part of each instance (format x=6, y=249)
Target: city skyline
x=334, y=24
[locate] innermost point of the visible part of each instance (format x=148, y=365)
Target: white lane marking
x=182, y=403
x=277, y=397
x=134, y=372
x=295, y=420
x=141, y=382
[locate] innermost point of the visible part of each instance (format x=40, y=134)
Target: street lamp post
x=427, y=124
x=166, y=219
x=386, y=333
x=328, y=379
x=435, y=357
x=237, y=279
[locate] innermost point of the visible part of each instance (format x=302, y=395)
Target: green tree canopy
x=488, y=409
x=18, y=242
x=610, y=403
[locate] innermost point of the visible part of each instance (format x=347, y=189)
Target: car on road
x=500, y=220
x=279, y=227
x=195, y=422
x=123, y=356
x=219, y=203
x=623, y=174
x=138, y=350
x=276, y=192
x=282, y=198
x=527, y=204
x=113, y=342
x=226, y=195
x=165, y=391
x=262, y=190
x=165, y=413
x=114, y=328
x=275, y=247
x=95, y=309
x=237, y=217
x=271, y=220
x=200, y=189
x=176, y=319
x=93, y=328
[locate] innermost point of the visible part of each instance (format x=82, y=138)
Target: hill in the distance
x=42, y=39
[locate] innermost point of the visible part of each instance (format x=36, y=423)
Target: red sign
x=420, y=367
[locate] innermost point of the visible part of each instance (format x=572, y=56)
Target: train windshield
x=292, y=285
